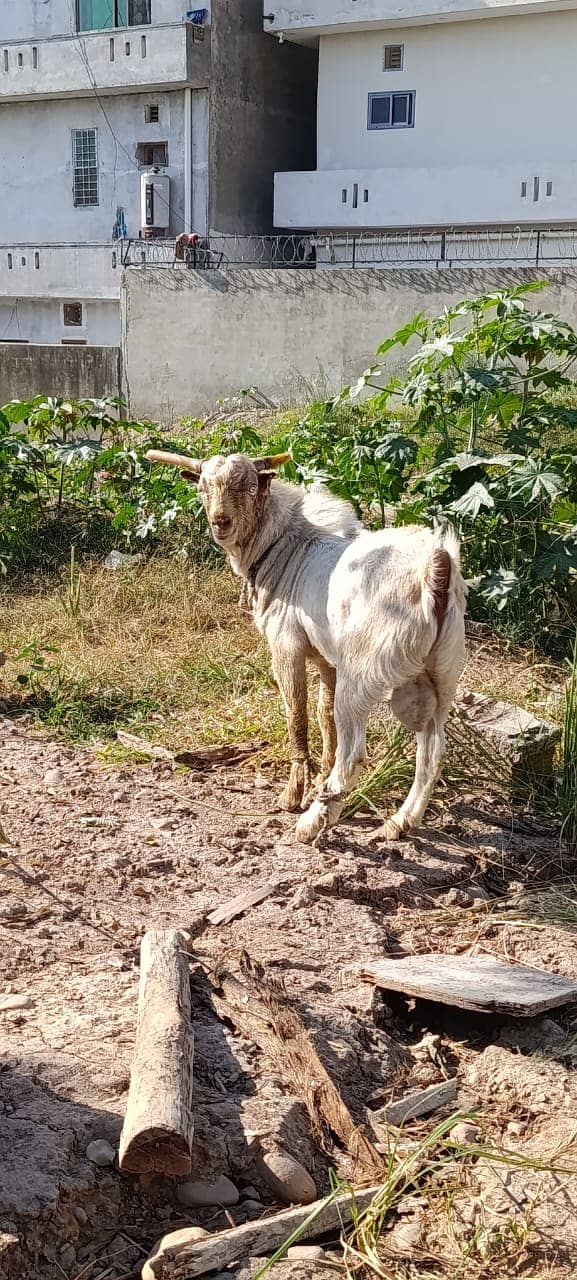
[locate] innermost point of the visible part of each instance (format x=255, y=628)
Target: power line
x=94, y=86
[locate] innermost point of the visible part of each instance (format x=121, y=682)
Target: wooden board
x=419, y=1103
x=473, y=982
x=181, y=1255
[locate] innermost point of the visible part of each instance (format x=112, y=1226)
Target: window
x=152, y=155
x=101, y=15
x=391, y=110
x=73, y=342
x=85, y=167
x=151, y=113
x=72, y=313
x=393, y=57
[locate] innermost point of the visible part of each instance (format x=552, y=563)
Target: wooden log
x=418, y=1103
x=182, y=1254
x=480, y=983
x=258, y=1006
x=158, y=1126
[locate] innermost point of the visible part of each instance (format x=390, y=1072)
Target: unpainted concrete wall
x=262, y=116
x=192, y=338
x=75, y=372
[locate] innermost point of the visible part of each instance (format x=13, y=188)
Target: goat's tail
x=443, y=589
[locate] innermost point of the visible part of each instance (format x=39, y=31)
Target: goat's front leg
x=289, y=667
x=351, y=729
x=326, y=717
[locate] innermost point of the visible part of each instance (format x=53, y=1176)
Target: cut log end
x=158, y=1151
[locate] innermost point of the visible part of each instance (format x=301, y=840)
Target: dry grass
x=164, y=644
x=164, y=649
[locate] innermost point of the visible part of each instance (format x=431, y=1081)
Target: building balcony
x=369, y=199
x=152, y=57
x=44, y=271
x=329, y=17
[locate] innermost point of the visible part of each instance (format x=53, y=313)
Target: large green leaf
x=472, y=502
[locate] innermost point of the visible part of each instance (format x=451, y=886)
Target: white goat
x=379, y=614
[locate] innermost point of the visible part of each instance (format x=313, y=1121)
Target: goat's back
x=390, y=596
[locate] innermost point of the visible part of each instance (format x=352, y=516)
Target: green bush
x=479, y=434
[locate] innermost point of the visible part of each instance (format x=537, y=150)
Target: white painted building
x=435, y=114
x=95, y=93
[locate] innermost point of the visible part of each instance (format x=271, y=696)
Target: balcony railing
x=60, y=270
x=105, y=62
x=327, y=17
x=444, y=248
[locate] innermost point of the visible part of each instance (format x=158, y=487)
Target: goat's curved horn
x=192, y=465
x=274, y=460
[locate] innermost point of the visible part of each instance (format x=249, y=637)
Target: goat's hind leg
x=428, y=765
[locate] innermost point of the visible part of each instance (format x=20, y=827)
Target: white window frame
x=411, y=94
x=78, y=169
x=393, y=46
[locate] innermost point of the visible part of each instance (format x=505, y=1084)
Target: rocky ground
x=99, y=854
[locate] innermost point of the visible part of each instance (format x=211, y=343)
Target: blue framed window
x=103, y=15
x=391, y=110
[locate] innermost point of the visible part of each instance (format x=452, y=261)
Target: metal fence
x=444, y=248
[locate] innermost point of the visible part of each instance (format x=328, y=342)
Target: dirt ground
x=99, y=854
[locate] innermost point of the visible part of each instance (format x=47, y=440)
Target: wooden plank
x=158, y=1126
x=181, y=1254
x=259, y=1007
x=480, y=983
x=421, y=1102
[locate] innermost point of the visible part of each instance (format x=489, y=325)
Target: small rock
x=68, y=1256
x=164, y=823
x=54, y=777
x=466, y=1134
x=526, y=742
x=305, y=1253
x=287, y=1179
x=100, y=1152
x=303, y=896
x=8, y=1003
x=81, y=1215
x=119, y=560
x=250, y=1193
x=516, y=1128
x=458, y=898
x=252, y=1208
x=203, y=1194
x=15, y=910
x=406, y=1237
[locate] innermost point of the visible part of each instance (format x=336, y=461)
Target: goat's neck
x=270, y=525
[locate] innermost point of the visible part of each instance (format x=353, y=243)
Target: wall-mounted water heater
x=154, y=203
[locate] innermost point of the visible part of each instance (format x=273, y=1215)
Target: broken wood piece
x=182, y=1254
x=419, y=1103
x=480, y=983
x=158, y=1125
x=197, y=758
x=242, y=902
x=258, y=1006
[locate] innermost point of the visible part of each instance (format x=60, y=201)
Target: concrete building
x=94, y=94
x=435, y=113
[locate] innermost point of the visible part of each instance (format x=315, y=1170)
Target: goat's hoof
x=290, y=799
x=311, y=823
x=391, y=830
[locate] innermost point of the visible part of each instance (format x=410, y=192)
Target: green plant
x=479, y=433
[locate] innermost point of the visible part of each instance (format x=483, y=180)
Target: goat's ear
x=264, y=479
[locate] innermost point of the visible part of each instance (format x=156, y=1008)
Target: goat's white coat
x=357, y=603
